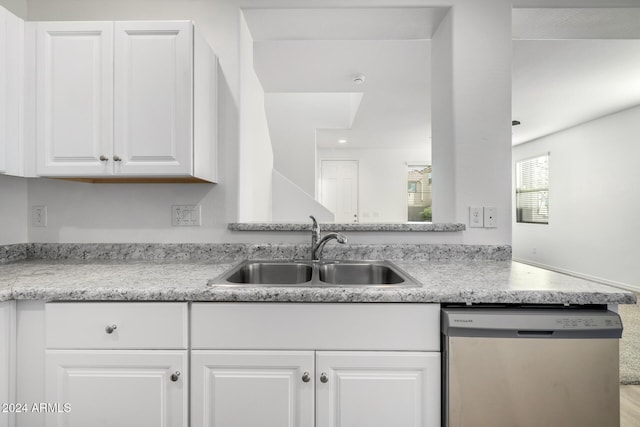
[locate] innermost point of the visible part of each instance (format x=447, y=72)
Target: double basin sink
x=316, y=273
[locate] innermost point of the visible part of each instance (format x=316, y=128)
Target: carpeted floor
x=630, y=343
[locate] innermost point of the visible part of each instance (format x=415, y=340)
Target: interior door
x=339, y=188
x=252, y=388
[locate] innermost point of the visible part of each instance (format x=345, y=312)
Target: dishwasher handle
x=534, y=334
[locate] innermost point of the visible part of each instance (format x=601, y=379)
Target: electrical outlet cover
x=476, y=219
x=39, y=216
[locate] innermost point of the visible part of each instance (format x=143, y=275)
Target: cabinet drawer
x=275, y=326
x=108, y=325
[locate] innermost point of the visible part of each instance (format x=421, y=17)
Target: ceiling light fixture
x=342, y=141
x=358, y=79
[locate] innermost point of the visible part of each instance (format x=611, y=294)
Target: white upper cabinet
x=117, y=100
x=75, y=98
x=153, y=98
x=11, y=78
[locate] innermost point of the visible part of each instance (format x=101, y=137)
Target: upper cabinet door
x=13, y=78
x=75, y=98
x=153, y=98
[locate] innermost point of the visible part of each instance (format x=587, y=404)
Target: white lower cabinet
x=377, y=389
x=252, y=388
x=146, y=364
x=119, y=364
x=105, y=388
x=355, y=365
x=347, y=388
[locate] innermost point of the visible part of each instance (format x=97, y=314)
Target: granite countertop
x=348, y=226
x=461, y=281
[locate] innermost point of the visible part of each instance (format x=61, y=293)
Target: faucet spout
x=316, y=251
x=318, y=242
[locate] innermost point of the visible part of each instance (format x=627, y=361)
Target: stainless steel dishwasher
x=522, y=367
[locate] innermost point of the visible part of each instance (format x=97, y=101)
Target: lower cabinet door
x=377, y=389
x=252, y=388
x=124, y=388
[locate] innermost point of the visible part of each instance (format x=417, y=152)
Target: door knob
x=103, y=158
x=117, y=159
x=306, y=377
x=324, y=378
x=175, y=376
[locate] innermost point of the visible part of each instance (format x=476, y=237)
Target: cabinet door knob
x=109, y=329
x=103, y=158
x=175, y=376
x=117, y=159
x=324, y=378
x=306, y=377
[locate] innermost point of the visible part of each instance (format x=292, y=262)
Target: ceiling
x=569, y=66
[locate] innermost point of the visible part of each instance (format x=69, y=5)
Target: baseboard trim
x=602, y=280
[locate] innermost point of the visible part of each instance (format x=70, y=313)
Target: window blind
x=532, y=190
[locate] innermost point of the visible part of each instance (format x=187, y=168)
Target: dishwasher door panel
x=527, y=382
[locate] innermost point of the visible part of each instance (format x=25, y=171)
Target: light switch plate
x=490, y=217
x=476, y=219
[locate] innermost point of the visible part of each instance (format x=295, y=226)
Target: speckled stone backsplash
x=236, y=251
x=13, y=252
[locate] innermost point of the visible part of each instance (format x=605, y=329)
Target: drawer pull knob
x=324, y=378
x=103, y=158
x=117, y=159
x=175, y=376
x=109, y=329
x=306, y=377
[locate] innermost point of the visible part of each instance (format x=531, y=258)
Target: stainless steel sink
x=326, y=273
x=270, y=273
x=359, y=273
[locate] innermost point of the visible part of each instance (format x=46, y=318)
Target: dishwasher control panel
x=531, y=323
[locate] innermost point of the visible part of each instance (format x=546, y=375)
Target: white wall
x=292, y=204
x=480, y=131
x=13, y=210
x=294, y=119
x=256, y=153
x=471, y=110
x=593, y=201
x=382, y=179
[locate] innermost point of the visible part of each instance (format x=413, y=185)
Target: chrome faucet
x=318, y=241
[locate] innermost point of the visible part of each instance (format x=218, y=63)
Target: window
x=532, y=190
x=419, y=192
